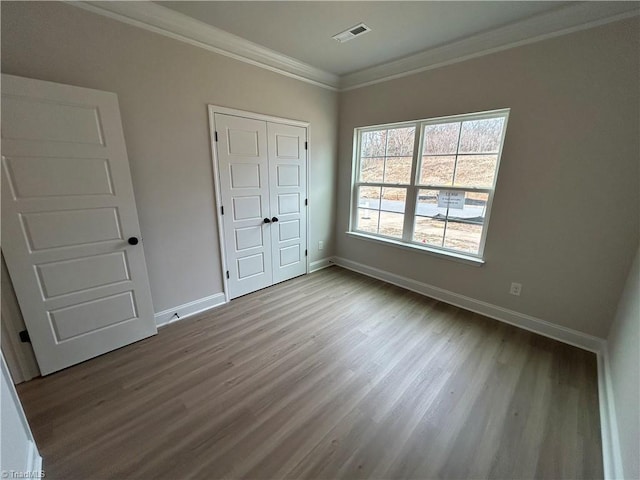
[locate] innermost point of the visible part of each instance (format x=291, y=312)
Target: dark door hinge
x=227, y=274
x=24, y=337
x=215, y=135
x=306, y=253
x=306, y=145
x=222, y=210
x=306, y=202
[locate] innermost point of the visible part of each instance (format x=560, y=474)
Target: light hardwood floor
x=331, y=375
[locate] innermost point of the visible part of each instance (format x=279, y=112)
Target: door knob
x=266, y=220
x=274, y=219
x=133, y=240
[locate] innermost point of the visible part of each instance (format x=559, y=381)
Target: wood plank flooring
x=327, y=376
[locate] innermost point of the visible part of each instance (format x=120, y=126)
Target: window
x=428, y=184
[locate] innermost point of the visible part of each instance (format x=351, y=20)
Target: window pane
x=372, y=169
x=373, y=144
x=476, y=170
x=441, y=139
x=394, y=199
x=473, y=210
x=430, y=219
x=369, y=197
x=428, y=231
x=397, y=170
x=481, y=136
x=400, y=142
x=391, y=224
x=464, y=226
x=427, y=204
x=437, y=170
x=475, y=207
x=463, y=236
x=367, y=220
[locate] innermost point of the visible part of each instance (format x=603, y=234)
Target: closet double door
x=261, y=170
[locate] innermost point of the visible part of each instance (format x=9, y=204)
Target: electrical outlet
x=515, y=289
x=320, y=245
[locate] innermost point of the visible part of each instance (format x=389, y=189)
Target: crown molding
x=159, y=19
x=574, y=17
x=156, y=18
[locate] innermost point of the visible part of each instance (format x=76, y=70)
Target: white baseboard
x=611, y=453
x=188, y=309
x=527, y=322
x=320, y=264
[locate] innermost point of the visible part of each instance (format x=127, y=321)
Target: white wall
x=163, y=87
x=18, y=452
x=623, y=347
x=566, y=214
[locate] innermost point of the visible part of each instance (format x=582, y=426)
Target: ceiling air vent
x=352, y=32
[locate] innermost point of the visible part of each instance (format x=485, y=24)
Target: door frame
x=212, y=110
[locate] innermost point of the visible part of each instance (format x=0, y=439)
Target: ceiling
x=303, y=30
x=293, y=38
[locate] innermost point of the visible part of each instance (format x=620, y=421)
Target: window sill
x=456, y=257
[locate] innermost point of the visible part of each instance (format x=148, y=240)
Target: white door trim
x=255, y=116
x=213, y=109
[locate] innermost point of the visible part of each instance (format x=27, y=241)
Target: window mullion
x=455, y=165
x=456, y=189
x=453, y=181
x=412, y=191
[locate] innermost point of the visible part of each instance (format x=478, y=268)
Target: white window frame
x=413, y=187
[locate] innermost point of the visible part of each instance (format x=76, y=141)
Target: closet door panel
x=287, y=194
x=243, y=167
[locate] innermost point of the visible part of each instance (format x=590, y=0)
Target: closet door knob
x=274, y=219
x=266, y=220
x=133, y=240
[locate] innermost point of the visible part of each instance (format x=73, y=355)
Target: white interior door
x=244, y=180
x=261, y=168
x=68, y=218
x=287, y=194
